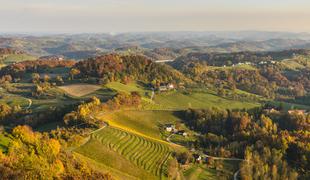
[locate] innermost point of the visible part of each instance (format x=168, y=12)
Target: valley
x=126, y=116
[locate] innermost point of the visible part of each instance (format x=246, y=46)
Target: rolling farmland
x=80, y=90
x=146, y=154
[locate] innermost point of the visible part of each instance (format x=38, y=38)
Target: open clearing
x=14, y=58
x=201, y=173
x=130, y=153
x=178, y=101
x=141, y=122
x=127, y=87
x=80, y=90
x=4, y=142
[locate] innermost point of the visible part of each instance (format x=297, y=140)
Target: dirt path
x=172, y=143
x=214, y=157
x=236, y=174
x=89, y=136
x=30, y=104
x=222, y=158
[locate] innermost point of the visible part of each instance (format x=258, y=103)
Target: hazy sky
x=153, y=15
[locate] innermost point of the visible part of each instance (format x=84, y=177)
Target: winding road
x=30, y=104
x=214, y=157
x=88, y=137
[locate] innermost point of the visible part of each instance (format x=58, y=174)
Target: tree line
x=274, y=145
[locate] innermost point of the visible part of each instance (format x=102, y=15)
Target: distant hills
x=155, y=45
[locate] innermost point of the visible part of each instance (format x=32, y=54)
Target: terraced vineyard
x=147, y=154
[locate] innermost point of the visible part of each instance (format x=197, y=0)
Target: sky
x=95, y=16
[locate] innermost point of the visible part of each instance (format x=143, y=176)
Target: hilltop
x=157, y=45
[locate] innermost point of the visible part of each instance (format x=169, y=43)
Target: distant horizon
x=141, y=32
x=93, y=16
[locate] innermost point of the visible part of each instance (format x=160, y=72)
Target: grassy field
x=133, y=86
x=80, y=90
x=4, y=142
x=142, y=122
x=130, y=153
x=21, y=93
x=198, y=172
x=203, y=172
x=241, y=66
x=101, y=167
x=294, y=64
x=288, y=106
x=13, y=58
x=176, y=101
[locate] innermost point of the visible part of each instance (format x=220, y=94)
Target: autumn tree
x=46, y=78
x=73, y=72
x=265, y=163
x=35, y=78
x=5, y=110
x=32, y=155
x=59, y=80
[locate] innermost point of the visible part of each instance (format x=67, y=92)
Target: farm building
x=162, y=88
x=166, y=87
x=197, y=157
x=298, y=112
x=182, y=132
x=170, y=127
x=271, y=110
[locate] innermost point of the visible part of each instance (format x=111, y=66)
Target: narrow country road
x=236, y=174
x=88, y=138
x=214, y=157
x=168, y=139
x=222, y=158
x=30, y=104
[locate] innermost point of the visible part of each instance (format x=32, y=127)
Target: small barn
x=170, y=127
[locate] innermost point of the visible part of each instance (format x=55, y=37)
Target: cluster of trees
x=114, y=67
x=268, y=80
x=15, y=115
x=42, y=85
x=279, y=135
x=5, y=79
x=9, y=51
x=9, y=113
x=83, y=116
x=18, y=70
x=220, y=59
x=265, y=163
x=162, y=53
x=32, y=155
x=124, y=100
